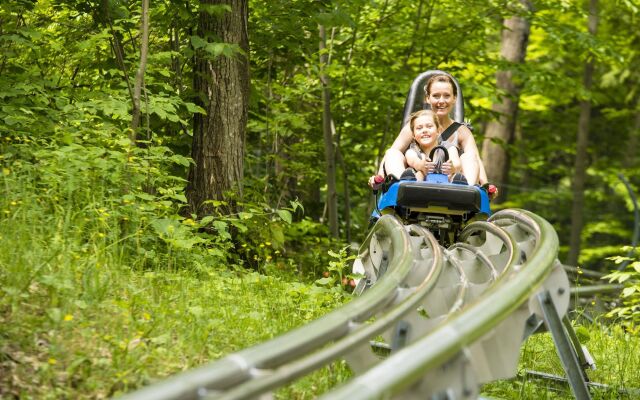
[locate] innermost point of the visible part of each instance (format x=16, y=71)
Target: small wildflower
x=277, y=251
x=53, y=361
x=261, y=244
x=244, y=245
x=146, y=316
x=268, y=243
x=269, y=258
x=68, y=317
x=13, y=203
x=100, y=234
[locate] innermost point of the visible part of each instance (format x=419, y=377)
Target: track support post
x=567, y=354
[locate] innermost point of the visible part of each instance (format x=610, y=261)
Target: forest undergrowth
x=106, y=287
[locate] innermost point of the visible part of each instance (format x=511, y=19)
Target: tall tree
x=327, y=129
x=580, y=166
x=139, y=82
x=221, y=80
x=501, y=132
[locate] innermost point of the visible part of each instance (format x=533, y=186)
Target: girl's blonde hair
x=422, y=113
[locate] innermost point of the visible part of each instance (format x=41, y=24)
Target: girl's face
x=441, y=98
x=425, y=131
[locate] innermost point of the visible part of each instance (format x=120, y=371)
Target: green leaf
x=295, y=204
x=205, y=221
x=197, y=42
x=145, y=196
x=180, y=160
x=186, y=244
x=192, y=108
x=284, y=215
x=324, y=281
x=165, y=226
x=241, y=227
x=277, y=235
x=628, y=291
x=215, y=49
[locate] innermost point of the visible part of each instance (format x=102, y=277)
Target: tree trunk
x=329, y=147
x=500, y=133
x=137, y=88
x=222, y=86
x=580, y=173
x=347, y=194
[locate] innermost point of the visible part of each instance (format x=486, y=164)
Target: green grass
x=615, y=352
x=104, y=289
x=97, y=330
x=97, y=299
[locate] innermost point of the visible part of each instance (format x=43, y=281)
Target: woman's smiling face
x=441, y=98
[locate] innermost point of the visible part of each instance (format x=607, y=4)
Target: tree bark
x=222, y=86
x=329, y=147
x=500, y=133
x=137, y=87
x=580, y=167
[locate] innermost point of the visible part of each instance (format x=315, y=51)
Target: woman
x=440, y=94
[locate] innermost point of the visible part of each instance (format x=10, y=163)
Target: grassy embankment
x=103, y=289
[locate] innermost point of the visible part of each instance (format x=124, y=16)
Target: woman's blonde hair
x=421, y=113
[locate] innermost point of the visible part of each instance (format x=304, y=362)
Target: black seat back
x=415, y=98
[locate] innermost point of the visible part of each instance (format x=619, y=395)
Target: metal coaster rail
x=455, y=318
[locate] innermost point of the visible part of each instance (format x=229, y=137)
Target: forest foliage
x=64, y=88
x=81, y=204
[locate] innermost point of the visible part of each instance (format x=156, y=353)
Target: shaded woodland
x=72, y=74
x=224, y=136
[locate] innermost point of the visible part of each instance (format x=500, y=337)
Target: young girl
x=425, y=127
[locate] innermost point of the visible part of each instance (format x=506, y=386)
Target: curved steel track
x=452, y=318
